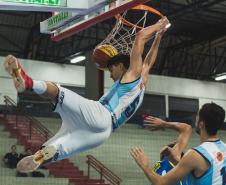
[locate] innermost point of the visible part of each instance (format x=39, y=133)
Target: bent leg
x=86, y=124
x=64, y=146
x=77, y=142
x=51, y=92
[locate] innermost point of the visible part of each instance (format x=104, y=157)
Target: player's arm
x=187, y=164
x=183, y=129
x=136, y=63
x=151, y=57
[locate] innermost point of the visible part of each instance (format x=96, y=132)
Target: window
x=183, y=109
x=153, y=105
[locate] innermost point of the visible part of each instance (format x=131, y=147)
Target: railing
x=32, y=121
x=103, y=170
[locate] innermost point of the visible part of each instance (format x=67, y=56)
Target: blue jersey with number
x=164, y=166
x=215, y=153
x=123, y=100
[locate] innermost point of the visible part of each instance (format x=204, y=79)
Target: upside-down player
x=86, y=123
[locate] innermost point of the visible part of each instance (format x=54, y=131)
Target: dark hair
x=124, y=59
x=171, y=145
x=13, y=146
x=213, y=117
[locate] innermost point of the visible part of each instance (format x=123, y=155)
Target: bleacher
x=8, y=176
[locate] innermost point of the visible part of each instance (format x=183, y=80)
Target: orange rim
x=139, y=7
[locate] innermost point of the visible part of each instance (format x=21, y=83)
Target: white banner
x=76, y=6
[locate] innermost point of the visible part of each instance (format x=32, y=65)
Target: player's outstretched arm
x=153, y=52
x=136, y=63
x=183, y=138
x=151, y=57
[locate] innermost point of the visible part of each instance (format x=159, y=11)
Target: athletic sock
x=27, y=80
x=39, y=87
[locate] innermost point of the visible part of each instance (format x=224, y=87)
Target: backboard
x=64, y=24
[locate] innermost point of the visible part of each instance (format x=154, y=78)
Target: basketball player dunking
x=86, y=123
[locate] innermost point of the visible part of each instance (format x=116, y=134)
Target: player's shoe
x=31, y=163
x=22, y=82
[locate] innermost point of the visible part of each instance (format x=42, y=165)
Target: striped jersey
x=215, y=153
x=123, y=100
x=164, y=166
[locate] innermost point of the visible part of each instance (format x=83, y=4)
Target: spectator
x=11, y=159
x=26, y=153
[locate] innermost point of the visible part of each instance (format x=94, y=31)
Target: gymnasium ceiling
x=194, y=47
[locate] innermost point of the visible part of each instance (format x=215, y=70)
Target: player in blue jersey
x=205, y=164
x=170, y=154
x=85, y=123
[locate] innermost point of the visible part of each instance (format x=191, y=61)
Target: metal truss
x=194, y=47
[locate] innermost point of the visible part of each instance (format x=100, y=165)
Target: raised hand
x=171, y=153
x=162, y=24
x=140, y=157
x=153, y=123
x=165, y=24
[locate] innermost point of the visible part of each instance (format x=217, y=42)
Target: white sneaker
x=22, y=82
x=31, y=163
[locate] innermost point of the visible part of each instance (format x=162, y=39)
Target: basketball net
x=122, y=36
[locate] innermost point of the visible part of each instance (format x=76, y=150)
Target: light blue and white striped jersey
x=215, y=153
x=123, y=100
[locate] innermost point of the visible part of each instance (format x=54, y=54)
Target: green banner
x=36, y=2
x=57, y=19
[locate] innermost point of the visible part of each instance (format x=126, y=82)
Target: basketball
x=102, y=54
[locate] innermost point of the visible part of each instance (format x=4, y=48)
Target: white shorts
x=85, y=124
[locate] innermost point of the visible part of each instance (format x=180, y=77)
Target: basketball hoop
x=123, y=34
x=141, y=8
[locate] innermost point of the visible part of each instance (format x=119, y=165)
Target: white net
x=122, y=35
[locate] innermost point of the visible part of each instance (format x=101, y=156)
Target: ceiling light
x=77, y=59
x=220, y=77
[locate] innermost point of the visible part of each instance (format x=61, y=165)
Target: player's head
x=210, y=119
x=28, y=151
x=13, y=148
x=166, y=151
x=118, y=65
